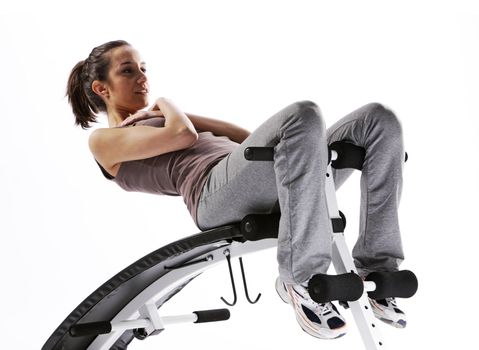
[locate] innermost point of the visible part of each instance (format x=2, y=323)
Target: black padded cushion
x=105, y=302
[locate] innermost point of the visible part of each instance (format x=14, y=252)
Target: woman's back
x=176, y=173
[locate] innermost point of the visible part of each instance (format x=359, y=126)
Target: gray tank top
x=179, y=173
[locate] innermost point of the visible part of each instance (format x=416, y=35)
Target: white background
x=65, y=229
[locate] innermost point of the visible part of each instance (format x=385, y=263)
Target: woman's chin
x=142, y=104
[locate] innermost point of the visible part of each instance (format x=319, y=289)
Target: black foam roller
x=345, y=287
x=259, y=153
x=401, y=284
x=212, y=315
x=91, y=328
x=349, y=155
x=260, y=226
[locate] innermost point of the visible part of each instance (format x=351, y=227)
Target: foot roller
x=401, y=284
x=345, y=287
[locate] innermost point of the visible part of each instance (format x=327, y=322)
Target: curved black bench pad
x=105, y=302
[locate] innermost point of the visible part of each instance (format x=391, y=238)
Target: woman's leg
x=379, y=131
x=237, y=187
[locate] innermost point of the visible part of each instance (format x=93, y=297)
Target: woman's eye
x=129, y=70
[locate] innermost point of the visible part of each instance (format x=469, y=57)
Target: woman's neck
x=115, y=117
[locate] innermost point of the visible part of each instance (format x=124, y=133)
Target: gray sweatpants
x=237, y=187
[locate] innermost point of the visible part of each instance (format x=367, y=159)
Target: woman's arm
x=219, y=127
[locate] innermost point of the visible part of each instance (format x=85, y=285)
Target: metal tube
x=125, y=325
x=179, y=319
x=145, y=323
x=369, y=286
x=334, y=155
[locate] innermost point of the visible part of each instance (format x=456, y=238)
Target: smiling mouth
x=142, y=92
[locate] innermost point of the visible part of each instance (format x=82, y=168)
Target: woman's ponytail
x=82, y=109
x=84, y=101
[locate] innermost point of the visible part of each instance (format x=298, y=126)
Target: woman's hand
x=174, y=117
x=141, y=115
x=158, y=101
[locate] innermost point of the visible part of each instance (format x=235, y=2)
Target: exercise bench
x=128, y=306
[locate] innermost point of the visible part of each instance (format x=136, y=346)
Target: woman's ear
x=100, y=89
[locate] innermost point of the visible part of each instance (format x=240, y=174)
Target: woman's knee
x=380, y=116
x=306, y=107
x=308, y=112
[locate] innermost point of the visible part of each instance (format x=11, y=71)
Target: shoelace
x=391, y=301
x=323, y=309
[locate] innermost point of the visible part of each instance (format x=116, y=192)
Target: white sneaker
x=387, y=311
x=319, y=320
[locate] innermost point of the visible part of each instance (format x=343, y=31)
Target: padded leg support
x=402, y=284
x=346, y=287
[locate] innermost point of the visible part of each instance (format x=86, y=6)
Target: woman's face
x=127, y=84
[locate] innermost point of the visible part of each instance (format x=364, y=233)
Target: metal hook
x=244, y=284
x=228, y=258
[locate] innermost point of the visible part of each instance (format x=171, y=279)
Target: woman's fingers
x=129, y=119
x=140, y=115
x=156, y=113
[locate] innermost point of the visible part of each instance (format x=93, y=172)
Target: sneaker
x=319, y=320
x=387, y=311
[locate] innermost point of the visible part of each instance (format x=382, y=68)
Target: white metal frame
x=142, y=308
x=343, y=263
x=142, y=311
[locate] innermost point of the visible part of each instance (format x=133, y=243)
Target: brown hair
x=85, y=103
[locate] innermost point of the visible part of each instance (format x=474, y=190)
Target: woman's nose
x=142, y=78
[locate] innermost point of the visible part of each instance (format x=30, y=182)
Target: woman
x=165, y=151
